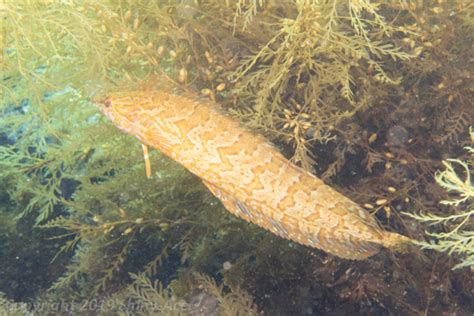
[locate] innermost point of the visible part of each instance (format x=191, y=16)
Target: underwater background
x=373, y=97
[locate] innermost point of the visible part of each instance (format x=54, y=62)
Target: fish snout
x=102, y=102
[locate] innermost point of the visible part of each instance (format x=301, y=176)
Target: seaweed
x=459, y=238
x=316, y=53
x=205, y=297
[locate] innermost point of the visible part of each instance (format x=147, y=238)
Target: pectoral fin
x=158, y=141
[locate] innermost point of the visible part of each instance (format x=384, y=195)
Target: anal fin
x=232, y=204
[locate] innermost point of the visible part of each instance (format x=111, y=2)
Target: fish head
x=104, y=104
x=122, y=110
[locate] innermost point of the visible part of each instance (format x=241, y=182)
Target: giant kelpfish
x=248, y=174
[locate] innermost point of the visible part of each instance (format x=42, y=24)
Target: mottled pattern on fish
x=249, y=175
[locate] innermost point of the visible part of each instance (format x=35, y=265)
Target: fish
x=247, y=173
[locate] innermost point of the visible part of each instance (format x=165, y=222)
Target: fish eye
x=107, y=102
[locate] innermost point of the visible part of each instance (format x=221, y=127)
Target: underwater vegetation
x=459, y=238
x=372, y=96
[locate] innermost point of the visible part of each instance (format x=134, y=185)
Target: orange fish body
x=249, y=175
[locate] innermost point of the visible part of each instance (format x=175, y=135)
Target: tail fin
x=397, y=242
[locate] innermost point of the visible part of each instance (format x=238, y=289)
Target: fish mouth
x=102, y=102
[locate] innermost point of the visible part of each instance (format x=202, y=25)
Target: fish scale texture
x=249, y=175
